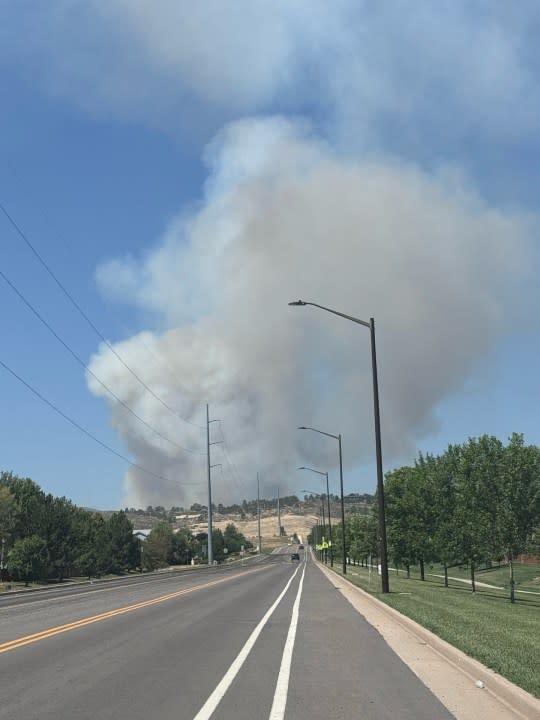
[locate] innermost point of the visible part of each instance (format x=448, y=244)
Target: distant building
x=142, y=534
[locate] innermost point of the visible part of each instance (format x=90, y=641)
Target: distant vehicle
x=300, y=547
x=295, y=556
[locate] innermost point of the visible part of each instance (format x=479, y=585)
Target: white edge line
x=282, y=685
x=215, y=698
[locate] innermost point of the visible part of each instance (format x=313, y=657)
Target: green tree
x=361, y=531
x=28, y=559
x=518, y=500
x=29, y=505
x=183, y=547
x=444, y=470
x=122, y=546
x=478, y=479
x=59, y=534
x=218, y=545
x=91, y=547
x=409, y=494
x=8, y=518
x=234, y=539
x=158, y=547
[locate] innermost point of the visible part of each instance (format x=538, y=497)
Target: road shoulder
x=446, y=671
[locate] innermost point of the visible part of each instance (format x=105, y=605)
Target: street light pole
x=338, y=438
x=342, y=509
x=329, y=524
x=322, y=501
x=380, y=477
x=385, y=586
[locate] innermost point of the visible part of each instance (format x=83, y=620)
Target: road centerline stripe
x=282, y=686
x=215, y=698
x=51, y=632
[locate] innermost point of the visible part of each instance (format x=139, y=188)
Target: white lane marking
x=215, y=698
x=282, y=686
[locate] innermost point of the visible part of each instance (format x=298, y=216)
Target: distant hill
x=247, y=510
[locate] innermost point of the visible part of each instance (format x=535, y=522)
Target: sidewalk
x=467, y=688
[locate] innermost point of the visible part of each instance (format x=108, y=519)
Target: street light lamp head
x=298, y=302
x=302, y=468
x=302, y=427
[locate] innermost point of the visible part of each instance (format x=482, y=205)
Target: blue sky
x=187, y=171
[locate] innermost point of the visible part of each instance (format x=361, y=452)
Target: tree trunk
x=512, y=584
x=445, y=575
x=473, y=584
x=422, y=577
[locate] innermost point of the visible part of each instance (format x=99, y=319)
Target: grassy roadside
x=484, y=625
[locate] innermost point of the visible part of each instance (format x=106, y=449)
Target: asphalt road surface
x=271, y=640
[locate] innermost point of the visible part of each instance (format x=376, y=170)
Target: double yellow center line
x=44, y=634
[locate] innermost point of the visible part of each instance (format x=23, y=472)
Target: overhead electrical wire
x=87, y=369
x=234, y=470
x=166, y=364
x=83, y=429
x=87, y=318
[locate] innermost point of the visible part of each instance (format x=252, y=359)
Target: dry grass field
x=299, y=524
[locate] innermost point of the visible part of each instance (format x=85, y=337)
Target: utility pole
x=259, y=514
x=210, y=549
x=208, y=443
x=279, y=518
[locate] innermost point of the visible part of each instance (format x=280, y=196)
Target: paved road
x=269, y=641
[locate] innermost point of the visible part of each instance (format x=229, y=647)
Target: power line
x=231, y=462
x=84, y=430
x=86, y=317
x=87, y=369
x=166, y=364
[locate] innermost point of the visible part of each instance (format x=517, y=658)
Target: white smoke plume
x=364, y=67
x=286, y=217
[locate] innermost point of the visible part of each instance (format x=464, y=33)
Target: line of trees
x=476, y=503
x=47, y=537
x=164, y=547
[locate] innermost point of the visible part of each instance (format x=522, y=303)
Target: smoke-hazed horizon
x=285, y=216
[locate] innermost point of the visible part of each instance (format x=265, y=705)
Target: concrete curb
x=510, y=695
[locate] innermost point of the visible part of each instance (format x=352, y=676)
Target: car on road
x=300, y=547
x=295, y=556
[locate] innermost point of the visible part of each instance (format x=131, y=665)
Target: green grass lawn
x=484, y=625
x=526, y=576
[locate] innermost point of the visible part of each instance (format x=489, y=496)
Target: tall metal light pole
x=385, y=586
x=329, y=518
x=338, y=438
x=259, y=514
x=321, y=525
